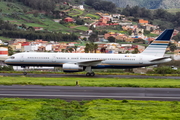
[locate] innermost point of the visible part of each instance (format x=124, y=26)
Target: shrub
x=6, y=68
x=164, y=70
x=124, y=101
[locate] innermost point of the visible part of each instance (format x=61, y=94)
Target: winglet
x=158, y=46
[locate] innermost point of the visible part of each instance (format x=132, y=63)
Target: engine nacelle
x=71, y=68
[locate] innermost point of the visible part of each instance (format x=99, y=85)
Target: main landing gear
x=89, y=71
x=90, y=74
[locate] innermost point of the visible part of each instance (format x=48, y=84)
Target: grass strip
x=101, y=109
x=94, y=82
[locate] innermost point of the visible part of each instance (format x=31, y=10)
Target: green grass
x=75, y=13
x=83, y=28
x=92, y=16
x=95, y=82
x=46, y=23
x=4, y=38
x=101, y=109
x=9, y=9
x=152, y=35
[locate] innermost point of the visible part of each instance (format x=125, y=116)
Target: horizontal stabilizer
x=159, y=59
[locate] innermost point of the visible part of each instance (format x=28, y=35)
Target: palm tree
x=135, y=51
x=95, y=48
x=62, y=50
x=91, y=47
x=87, y=48
x=70, y=50
x=75, y=48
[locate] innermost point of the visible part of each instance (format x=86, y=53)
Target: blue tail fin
x=158, y=46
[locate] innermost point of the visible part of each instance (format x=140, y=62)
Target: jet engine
x=71, y=68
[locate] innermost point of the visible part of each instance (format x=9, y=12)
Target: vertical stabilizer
x=158, y=46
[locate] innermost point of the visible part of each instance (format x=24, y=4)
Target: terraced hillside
x=150, y=4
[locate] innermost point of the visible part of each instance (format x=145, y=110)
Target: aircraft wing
x=90, y=62
x=158, y=59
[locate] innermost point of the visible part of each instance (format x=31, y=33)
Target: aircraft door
x=140, y=60
x=22, y=59
x=54, y=58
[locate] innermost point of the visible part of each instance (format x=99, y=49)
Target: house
x=178, y=44
x=68, y=19
x=121, y=37
x=19, y=40
x=1, y=42
x=109, y=34
x=141, y=21
x=116, y=16
x=16, y=46
x=25, y=43
x=57, y=20
x=129, y=40
x=38, y=28
x=81, y=7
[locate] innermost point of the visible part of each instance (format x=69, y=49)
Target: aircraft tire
x=24, y=73
x=88, y=74
x=92, y=74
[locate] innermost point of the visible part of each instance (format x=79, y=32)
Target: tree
x=10, y=51
x=93, y=37
x=75, y=48
x=87, y=48
x=103, y=50
x=172, y=47
x=30, y=28
x=135, y=51
x=91, y=47
x=71, y=50
x=80, y=22
x=95, y=48
x=62, y=50
x=111, y=39
x=177, y=37
x=23, y=26
x=36, y=14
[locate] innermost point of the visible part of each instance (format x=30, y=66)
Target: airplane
x=76, y=62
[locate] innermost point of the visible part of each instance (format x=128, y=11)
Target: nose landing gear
x=24, y=70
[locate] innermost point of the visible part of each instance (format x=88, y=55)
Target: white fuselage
x=108, y=60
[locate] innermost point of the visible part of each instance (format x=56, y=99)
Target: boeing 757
x=76, y=62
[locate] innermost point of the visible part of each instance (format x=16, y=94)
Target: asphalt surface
x=89, y=93
x=96, y=76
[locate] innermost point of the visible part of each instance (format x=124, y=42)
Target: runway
x=89, y=93
x=83, y=75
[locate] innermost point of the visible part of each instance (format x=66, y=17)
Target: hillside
x=150, y=4
x=17, y=13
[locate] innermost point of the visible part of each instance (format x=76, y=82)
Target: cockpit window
x=12, y=57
